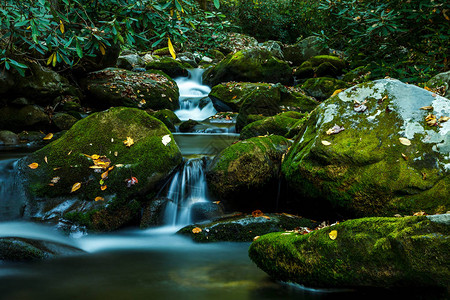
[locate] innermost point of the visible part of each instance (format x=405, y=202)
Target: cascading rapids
x=187, y=187
x=194, y=101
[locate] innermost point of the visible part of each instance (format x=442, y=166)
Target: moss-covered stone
x=323, y=87
x=440, y=84
x=280, y=124
x=23, y=118
x=244, y=228
x=8, y=138
x=170, y=66
x=365, y=169
x=270, y=100
x=371, y=252
x=234, y=42
x=304, y=72
x=63, y=121
x=188, y=126
x=25, y=250
x=148, y=160
x=245, y=175
x=303, y=50
x=168, y=117
x=253, y=65
x=162, y=51
x=358, y=75
x=116, y=87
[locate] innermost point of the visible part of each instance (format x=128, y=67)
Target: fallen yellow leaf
x=427, y=107
x=45, y=159
x=443, y=119
x=33, y=165
x=404, y=141
x=99, y=198
x=336, y=92
x=257, y=213
x=326, y=143
x=103, y=187
x=104, y=175
x=128, y=142
x=196, y=230
x=75, y=187
x=48, y=136
x=333, y=234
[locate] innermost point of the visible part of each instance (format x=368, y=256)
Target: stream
x=154, y=263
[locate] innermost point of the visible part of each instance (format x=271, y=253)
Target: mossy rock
x=303, y=50
x=168, y=117
x=405, y=252
x=440, y=84
x=367, y=169
x=117, y=87
x=40, y=85
x=26, y=250
x=336, y=63
x=244, y=228
x=252, y=65
x=23, y=118
x=63, y=121
x=245, y=175
x=8, y=138
x=170, y=66
x=188, y=126
x=323, y=87
x=148, y=160
x=130, y=61
x=304, y=72
x=234, y=42
x=161, y=51
x=270, y=100
x=280, y=124
x=358, y=75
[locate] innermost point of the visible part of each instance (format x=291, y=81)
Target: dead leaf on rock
x=33, y=165
x=443, y=119
x=326, y=143
x=99, y=198
x=420, y=213
x=103, y=187
x=128, y=142
x=431, y=120
x=404, y=156
x=256, y=237
x=335, y=129
x=333, y=234
x=427, y=107
x=55, y=179
x=266, y=217
x=45, y=159
x=48, y=136
x=75, y=187
x=404, y=141
x=196, y=230
x=257, y=213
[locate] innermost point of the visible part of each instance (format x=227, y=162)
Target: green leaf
x=79, y=50
x=17, y=64
x=217, y=4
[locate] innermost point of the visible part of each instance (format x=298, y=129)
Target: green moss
x=252, y=65
x=168, y=117
x=148, y=159
x=162, y=51
x=382, y=252
x=170, y=66
x=243, y=228
x=323, y=87
x=279, y=124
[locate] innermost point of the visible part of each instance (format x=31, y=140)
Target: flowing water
x=146, y=264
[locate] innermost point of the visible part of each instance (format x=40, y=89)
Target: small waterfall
x=12, y=198
x=187, y=187
x=194, y=101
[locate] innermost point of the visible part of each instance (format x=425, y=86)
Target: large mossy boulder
x=376, y=149
x=245, y=227
x=321, y=66
x=245, y=175
x=117, y=87
x=170, y=66
x=303, y=50
x=323, y=87
x=168, y=117
x=252, y=65
x=234, y=42
x=91, y=162
x=408, y=252
x=269, y=100
x=280, y=124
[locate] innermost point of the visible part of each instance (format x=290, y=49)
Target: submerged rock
x=117, y=87
x=378, y=148
x=371, y=252
x=91, y=162
x=252, y=65
x=22, y=250
x=245, y=176
x=244, y=228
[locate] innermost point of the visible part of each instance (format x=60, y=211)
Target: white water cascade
x=187, y=188
x=194, y=102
